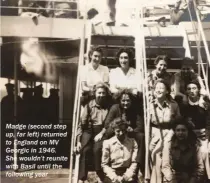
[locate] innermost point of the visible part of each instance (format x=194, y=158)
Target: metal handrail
x=145, y=94
x=202, y=36
x=202, y=33
x=76, y=113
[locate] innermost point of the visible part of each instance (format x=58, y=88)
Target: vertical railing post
x=76, y=113
x=20, y=4
x=202, y=32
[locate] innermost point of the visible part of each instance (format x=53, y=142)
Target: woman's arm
x=199, y=167
x=83, y=78
x=106, y=75
x=112, y=114
x=83, y=121
x=131, y=171
x=166, y=166
x=139, y=124
x=85, y=87
x=177, y=111
x=113, y=81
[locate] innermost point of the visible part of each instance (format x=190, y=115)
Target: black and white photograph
x=105, y=91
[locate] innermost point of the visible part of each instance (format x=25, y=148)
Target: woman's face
x=161, y=66
x=100, y=95
x=96, y=58
x=124, y=60
x=186, y=70
x=160, y=90
x=181, y=132
x=125, y=101
x=120, y=133
x=192, y=90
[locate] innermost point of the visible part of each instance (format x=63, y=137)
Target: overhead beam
x=15, y=26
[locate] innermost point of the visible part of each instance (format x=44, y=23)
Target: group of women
x=179, y=119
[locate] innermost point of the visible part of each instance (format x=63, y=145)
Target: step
x=164, y=41
x=113, y=63
x=171, y=52
x=151, y=52
x=112, y=40
x=129, y=41
x=170, y=31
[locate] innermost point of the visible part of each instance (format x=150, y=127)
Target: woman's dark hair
x=101, y=85
x=119, y=123
x=168, y=88
x=188, y=62
x=195, y=82
x=125, y=50
x=92, y=50
x=161, y=57
x=124, y=92
x=192, y=138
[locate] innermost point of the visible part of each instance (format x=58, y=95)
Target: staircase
x=159, y=41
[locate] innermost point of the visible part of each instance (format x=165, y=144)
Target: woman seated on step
x=160, y=72
x=119, y=155
x=181, y=159
x=92, y=73
x=186, y=75
x=91, y=131
x=125, y=76
x=127, y=110
x=197, y=111
x=163, y=112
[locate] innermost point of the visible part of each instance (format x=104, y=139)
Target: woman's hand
x=119, y=179
x=98, y=137
x=190, y=121
x=79, y=146
x=126, y=178
x=209, y=148
x=129, y=129
x=135, y=92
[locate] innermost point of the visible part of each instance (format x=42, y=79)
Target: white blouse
x=93, y=76
x=119, y=80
